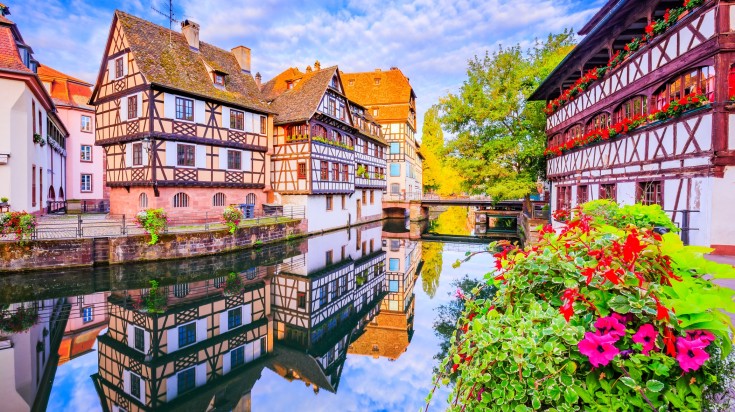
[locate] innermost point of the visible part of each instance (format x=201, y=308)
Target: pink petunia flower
x=691, y=354
x=598, y=348
x=646, y=336
x=703, y=335
x=624, y=319
x=610, y=326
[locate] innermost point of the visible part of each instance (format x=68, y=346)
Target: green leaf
x=654, y=386
x=570, y=396
x=630, y=382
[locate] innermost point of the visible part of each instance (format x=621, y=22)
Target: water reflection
x=230, y=332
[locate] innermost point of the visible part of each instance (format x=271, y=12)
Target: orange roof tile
x=9, y=55
x=66, y=90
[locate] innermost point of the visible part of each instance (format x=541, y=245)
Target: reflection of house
x=390, y=332
x=182, y=358
x=316, y=309
x=87, y=318
x=29, y=358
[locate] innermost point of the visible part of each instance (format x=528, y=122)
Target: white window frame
x=87, y=129
x=82, y=153
x=81, y=183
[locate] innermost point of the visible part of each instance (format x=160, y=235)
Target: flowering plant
x=560, y=215
x=153, y=221
x=154, y=302
x=233, y=285
x=654, y=29
x=232, y=217
x=21, y=224
x=595, y=317
x=19, y=321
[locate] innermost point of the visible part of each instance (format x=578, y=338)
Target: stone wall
x=49, y=254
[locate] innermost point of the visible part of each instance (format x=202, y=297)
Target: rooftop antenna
x=169, y=16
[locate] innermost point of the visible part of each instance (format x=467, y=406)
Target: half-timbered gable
x=200, y=336
x=683, y=161
x=175, y=114
x=370, y=148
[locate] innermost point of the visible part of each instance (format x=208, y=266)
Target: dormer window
x=377, y=81
x=219, y=79
x=119, y=67
x=289, y=85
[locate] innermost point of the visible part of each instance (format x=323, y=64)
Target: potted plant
x=4, y=201
x=231, y=217
x=233, y=285
x=361, y=172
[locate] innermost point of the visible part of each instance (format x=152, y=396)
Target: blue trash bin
x=248, y=210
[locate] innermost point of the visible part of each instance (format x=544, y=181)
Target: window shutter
x=201, y=330
x=145, y=153
x=226, y=363
x=256, y=349
x=172, y=338
x=124, y=108
x=223, y=325
x=200, y=153
x=172, y=387
x=225, y=117
x=131, y=336
x=126, y=381
x=247, y=314
x=128, y=154
x=247, y=160
x=200, y=374
x=222, y=158
x=170, y=153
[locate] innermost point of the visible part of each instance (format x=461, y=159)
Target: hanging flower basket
x=19, y=321
x=233, y=285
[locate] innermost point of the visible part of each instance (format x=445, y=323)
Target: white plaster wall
x=722, y=203
x=317, y=215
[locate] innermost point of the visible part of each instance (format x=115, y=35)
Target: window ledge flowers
x=653, y=30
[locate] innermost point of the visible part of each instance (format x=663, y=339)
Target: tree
x=431, y=253
x=438, y=176
x=499, y=135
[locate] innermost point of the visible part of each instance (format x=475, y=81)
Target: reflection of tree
x=432, y=254
x=453, y=221
x=447, y=315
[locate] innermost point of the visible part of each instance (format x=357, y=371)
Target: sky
x=431, y=41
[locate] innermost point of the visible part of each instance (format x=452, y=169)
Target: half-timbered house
x=370, y=164
x=181, y=121
x=201, y=336
x=683, y=161
x=389, y=98
x=313, y=162
x=32, y=137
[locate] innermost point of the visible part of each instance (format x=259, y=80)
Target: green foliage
x=153, y=221
x=431, y=253
x=4, y=200
x=606, y=211
x=439, y=175
x=233, y=285
x=231, y=217
x=332, y=142
x=361, y=172
x=565, y=330
x=20, y=224
x=155, y=301
x=500, y=137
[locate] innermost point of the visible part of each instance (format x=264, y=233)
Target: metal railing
x=95, y=206
x=56, y=206
x=685, y=224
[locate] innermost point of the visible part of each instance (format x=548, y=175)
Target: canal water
x=351, y=320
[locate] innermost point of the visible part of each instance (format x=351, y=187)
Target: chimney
x=242, y=55
x=190, y=30
x=308, y=69
x=258, y=79
x=317, y=65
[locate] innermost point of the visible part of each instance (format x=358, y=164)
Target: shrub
x=595, y=317
x=153, y=221
x=154, y=302
x=21, y=224
x=232, y=217
x=608, y=212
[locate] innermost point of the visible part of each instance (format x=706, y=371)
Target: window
x=563, y=197
x=219, y=79
x=393, y=286
x=372, y=197
x=364, y=197
x=344, y=252
x=582, y=194
x=118, y=67
x=318, y=131
x=85, y=154
x=323, y=295
x=344, y=207
x=185, y=155
x=181, y=290
x=219, y=199
x=132, y=107
x=234, y=318
x=187, y=334
x=351, y=82
x=137, y=154
x=86, y=124
x=636, y=106
x=138, y=339
x=345, y=173
x=650, y=193
x=135, y=385
x=85, y=184
x=87, y=314
x=263, y=125
x=301, y=170
x=186, y=380
x=607, y=191
x=335, y=171
x=329, y=257
x=574, y=132
x=237, y=120
x=184, y=109
x=395, y=148
x=237, y=357
x=599, y=121
x=33, y=186
x=181, y=199
x=395, y=188
x=329, y=202
x=33, y=111
x=377, y=81
x=393, y=264
x=301, y=300
x=701, y=79
x=395, y=169
x=234, y=159
x=324, y=170
x=143, y=201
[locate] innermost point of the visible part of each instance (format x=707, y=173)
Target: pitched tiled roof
x=165, y=59
x=9, y=55
x=66, y=90
x=300, y=102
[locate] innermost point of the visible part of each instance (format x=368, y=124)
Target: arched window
x=250, y=199
x=635, y=106
x=61, y=193
x=219, y=199
x=599, y=121
x=574, y=132
x=143, y=201
x=181, y=199
x=700, y=79
x=318, y=131
x=51, y=193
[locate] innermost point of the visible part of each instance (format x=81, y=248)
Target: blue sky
x=430, y=40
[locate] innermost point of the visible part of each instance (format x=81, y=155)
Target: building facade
x=684, y=162
x=181, y=121
x=32, y=137
x=85, y=162
x=391, y=101
x=317, y=135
